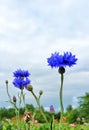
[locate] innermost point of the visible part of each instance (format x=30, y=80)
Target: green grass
x=12, y=126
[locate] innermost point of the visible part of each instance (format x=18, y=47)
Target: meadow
x=11, y=125
x=30, y=118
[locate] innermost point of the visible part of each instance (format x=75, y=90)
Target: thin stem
x=26, y=126
x=10, y=100
x=61, y=102
x=14, y=104
x=51, y=125
x=23, y=97
x=38, y=103
x=52, y=122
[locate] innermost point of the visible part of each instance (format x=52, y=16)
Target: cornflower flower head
x=59, y=60
x=21, y=79
x=21, y=73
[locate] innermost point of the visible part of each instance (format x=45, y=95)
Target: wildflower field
x=12, y=126
x=30, y=118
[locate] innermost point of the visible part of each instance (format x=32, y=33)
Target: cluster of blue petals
x=59, y=60
x=21, y=78
x=23, y=73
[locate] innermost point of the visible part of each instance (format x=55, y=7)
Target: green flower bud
x=6, y=81
x=29, y=87
x=40, y=92
x=61, y=70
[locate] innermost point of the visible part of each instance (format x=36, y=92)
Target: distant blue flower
x=56, y=60
x=21, y=79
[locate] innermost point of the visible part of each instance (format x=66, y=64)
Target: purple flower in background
x=14, y=99
x=21, y=78
x=58, y=60
x=51, y=109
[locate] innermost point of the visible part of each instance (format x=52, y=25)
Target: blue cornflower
x=21, y=73
x=57, y=60
x=21, y=79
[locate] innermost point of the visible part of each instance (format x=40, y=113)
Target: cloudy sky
x=30, y=30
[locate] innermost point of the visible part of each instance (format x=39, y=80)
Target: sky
x=30, y=31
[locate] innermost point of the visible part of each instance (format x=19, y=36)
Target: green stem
x=14, y=104
x=61, y=103
x=52, y=123
x=26, y=126
x=23, y=97
x=38, y=103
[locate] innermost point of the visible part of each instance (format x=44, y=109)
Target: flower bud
x=51, y=109
x=40, y=92
x=29, y=87
x=6, y=81
x=61, y=70
x=14, y=99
